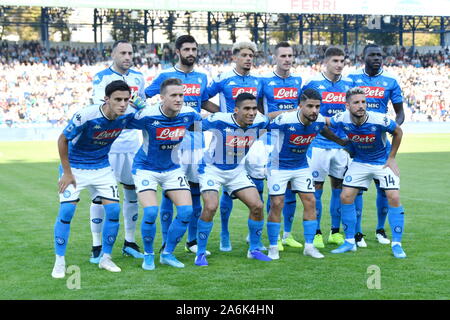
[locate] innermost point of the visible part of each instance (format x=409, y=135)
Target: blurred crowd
x=40, y=87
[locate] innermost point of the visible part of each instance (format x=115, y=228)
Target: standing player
x=380, y=87
x=281, y=92
x=122, y=151
x=233, y=135
x=83, y=148
x=196, y=97
x=229, y=85
x=292, y=133
x=373, y=158
x=157, y=163
x=327, y=158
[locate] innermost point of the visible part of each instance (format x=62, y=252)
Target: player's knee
x=184, y=213
x=256, y=207
x=150, y=214
x=276, y=203
x=210, y=207
x=112, y=211
x=66, y=212
x=393, y=199
x=346, y=198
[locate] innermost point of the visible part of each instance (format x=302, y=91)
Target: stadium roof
x=366, y=7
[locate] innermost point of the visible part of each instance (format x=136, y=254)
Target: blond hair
x=238, y=46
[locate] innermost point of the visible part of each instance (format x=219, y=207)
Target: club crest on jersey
x=237, y=91
x=374, y=92
x=107, y=134
x=333, y=97
x=302, y=140
x=362, y=138
x=285, y=93
x=191, y=89
x=170, y=133
x=373, y=128
x=239, y=142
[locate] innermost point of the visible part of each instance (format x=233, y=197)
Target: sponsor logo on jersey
x=107, y=134
x=134, y=89
x=238, y=90
x=191, y=89
x=362, y=138
x=374, y=92
x=239, y=142
x=285, y=93
x=302, y=140
x=333, y=97
x=170, y=133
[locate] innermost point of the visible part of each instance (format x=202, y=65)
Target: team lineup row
x=273, y=127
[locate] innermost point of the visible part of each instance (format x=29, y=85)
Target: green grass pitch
x=29, y=205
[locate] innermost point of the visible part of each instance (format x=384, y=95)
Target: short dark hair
x=186, y=38
x=116, y=43
x=244, y=96
x=169, y=82
x=118, y=85
x=310, y=94
x=282, y=44
x=353, y=92
x=371, y=45
x=333, y=52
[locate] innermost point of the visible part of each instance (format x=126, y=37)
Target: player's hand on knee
x=65, y=181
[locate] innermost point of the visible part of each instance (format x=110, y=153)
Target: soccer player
x=380, y=87
x=291, y=135
x=327, y=158
x=83, y=149
x=233, y=134
x=122, y=152
x=156, y=163
x=281, y=92
x=196, y=97
x=373, y=158
x=229, y=85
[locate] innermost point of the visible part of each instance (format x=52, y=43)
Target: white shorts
x=122, y=164
x=359, y=175
x=256, y=160
x=100, y=183
x=169, y=180
x=328, y=162
x=301, y=181
x=232, y=180
x=190, y=160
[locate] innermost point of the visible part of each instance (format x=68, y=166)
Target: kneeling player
x=372, y=160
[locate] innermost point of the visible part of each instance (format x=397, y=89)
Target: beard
x=187, y=61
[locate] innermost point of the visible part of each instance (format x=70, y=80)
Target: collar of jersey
x=380, y=72
x=365, y=120
x=326, y=78
x=122, y=75
x=236, y=123
x=179, y=70
x=103, y=114
x=160, y=110
x=240, y=75
x=277, y=75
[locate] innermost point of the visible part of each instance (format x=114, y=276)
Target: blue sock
x=165, y=216
x=148, y=227
x=203, y=231
x=268, y=204
x=255, y=229
x=397, y=222
x=178, y=227
x=273, y=230
x=62, y=227
x=382, y=207
x=111, y=226
x=359, y=208
x=335, y=208
x=318, y=196
x=226, y=205
x=309, y=230
x=289, y=209
x=196, y=212
x=348, y=213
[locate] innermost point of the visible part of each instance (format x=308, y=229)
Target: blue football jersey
x=194, y=86
x=91, y=134
x=379, y=89
x=333, y=102
x=280, y=94
x=229, y=85
x=291, y=139
x=230, y=142
x=162, y=136
x=128, y=140
x=368, y=141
